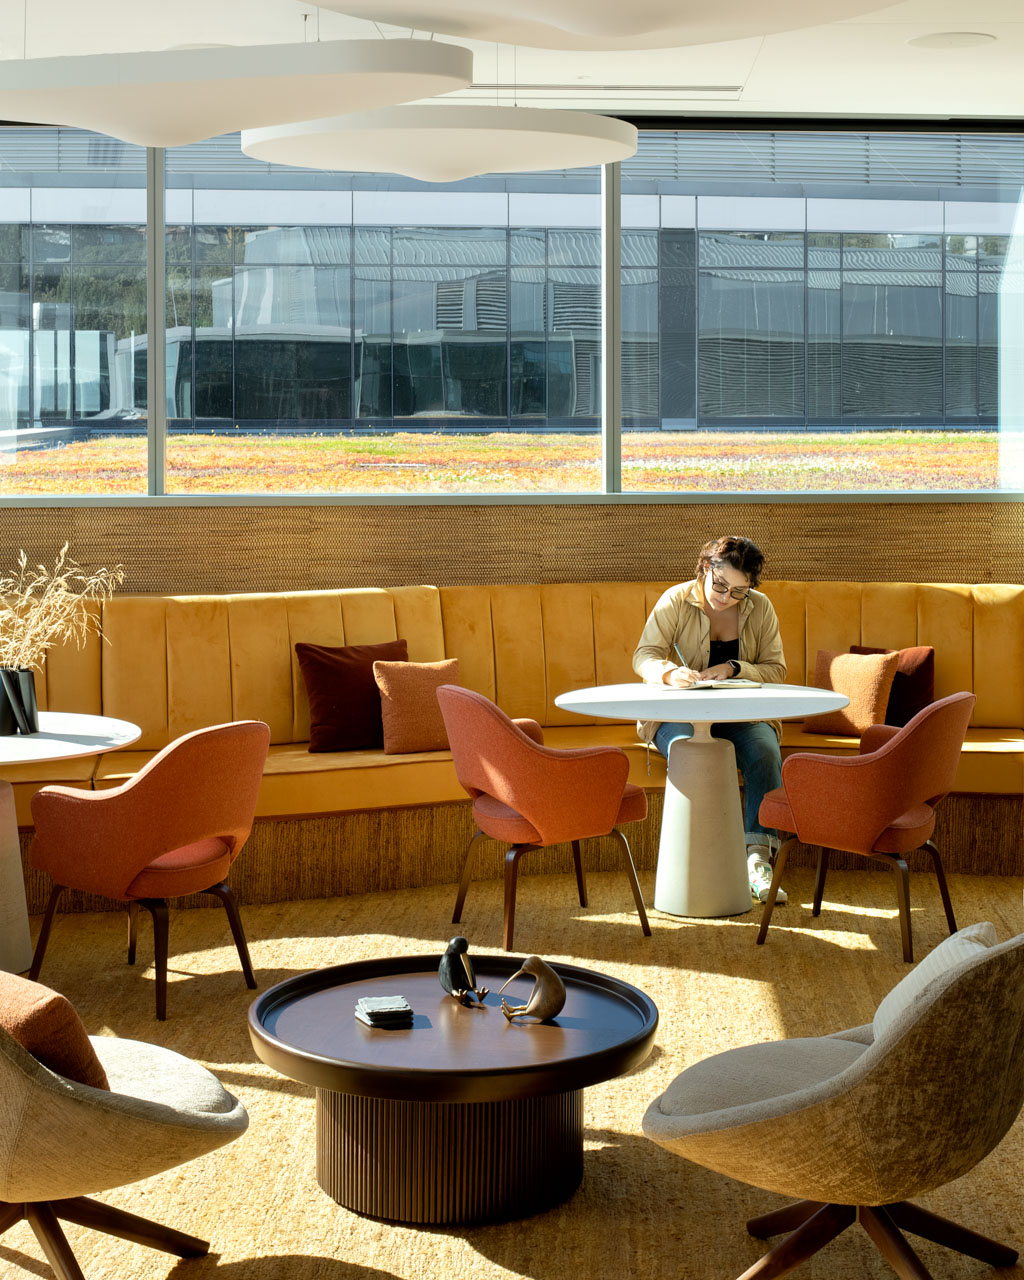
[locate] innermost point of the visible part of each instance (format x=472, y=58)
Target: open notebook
x=732, y=683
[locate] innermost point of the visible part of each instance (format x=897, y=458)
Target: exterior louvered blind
x=948, y=160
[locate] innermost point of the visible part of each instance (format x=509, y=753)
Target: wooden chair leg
x=44, y=931
x=464, y=882
x=769, y=902
x=9, y=1215
x=940, y=875
x=43, y=1222
x=129, y=1226
x=813, y=1234
x=929, y=1226
x=511, y=875
x=819, y=879
x=634, y=883
x=223, y=893
x=157, y=908
x=891, y=1245
x=787, y=1218
x=581, y=883
x=133, y=930
x=903, y=897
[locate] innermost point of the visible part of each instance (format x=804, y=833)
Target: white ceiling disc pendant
x=446, y=143
x=604, y=24
x=173, y=97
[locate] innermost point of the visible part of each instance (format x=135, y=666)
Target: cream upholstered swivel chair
x=61, y=1140
x=853, y=1124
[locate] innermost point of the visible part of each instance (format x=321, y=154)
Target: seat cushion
x=775, y=811
x=155, y=1074
x=908, y=832
x=755, y=1073
x=191, y=869
x=502, y=823
x=634, y=805
x=47, y=1026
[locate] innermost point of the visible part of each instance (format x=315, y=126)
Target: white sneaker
x=759, y=870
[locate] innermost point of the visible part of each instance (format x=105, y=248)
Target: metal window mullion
x=611, y=326
x=156, y=314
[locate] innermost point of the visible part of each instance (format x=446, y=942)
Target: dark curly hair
x=740, y=553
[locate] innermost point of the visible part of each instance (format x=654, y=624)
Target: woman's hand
x=680, y=678
x=723, y=671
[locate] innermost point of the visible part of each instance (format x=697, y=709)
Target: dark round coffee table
x=464, y=1117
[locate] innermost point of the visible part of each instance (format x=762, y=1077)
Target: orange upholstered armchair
x=527, y=795
x=880, y=804
x=173, y=829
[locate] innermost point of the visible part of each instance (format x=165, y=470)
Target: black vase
x=18, y=710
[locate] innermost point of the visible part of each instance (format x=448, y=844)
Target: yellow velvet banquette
x=175, y=663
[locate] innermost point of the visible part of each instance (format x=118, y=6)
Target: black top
x=723, y=651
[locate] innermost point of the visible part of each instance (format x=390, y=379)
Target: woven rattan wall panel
x=277, y=548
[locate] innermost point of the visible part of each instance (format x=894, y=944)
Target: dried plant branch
x=41, y=607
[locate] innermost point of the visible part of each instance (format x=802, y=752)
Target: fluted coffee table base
x=446, y=1162
x=464, y=1116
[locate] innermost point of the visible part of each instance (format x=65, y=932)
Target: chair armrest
x=96, y=832
x=875, y=736
x=531, y=728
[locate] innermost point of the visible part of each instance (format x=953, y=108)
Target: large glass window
x=824, y=321
x=799, y=312
x=72, y=314
x=385, y=336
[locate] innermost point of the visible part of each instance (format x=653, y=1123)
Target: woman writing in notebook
x=715, y=627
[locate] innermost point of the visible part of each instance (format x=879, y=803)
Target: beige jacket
x=678, y=632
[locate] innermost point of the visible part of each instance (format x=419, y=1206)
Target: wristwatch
x=735, y=666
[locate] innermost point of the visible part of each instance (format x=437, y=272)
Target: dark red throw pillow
x=344, y=701
x=913, y=686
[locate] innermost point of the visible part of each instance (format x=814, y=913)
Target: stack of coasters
x=393, y=1012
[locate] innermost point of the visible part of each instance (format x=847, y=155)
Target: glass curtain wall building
x=799, y=311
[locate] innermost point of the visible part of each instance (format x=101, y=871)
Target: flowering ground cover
x=401, y=462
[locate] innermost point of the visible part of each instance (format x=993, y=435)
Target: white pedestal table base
x=15, y=940
x=702, y=857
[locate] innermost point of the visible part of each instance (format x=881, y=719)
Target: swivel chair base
x=43, y=1218
x=811, y=1225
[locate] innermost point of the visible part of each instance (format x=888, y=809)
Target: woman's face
x=720, y=582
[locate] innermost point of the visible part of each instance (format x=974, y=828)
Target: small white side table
x=702, y=863
x=62, y=735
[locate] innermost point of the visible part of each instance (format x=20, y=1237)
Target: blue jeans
x=757, y=756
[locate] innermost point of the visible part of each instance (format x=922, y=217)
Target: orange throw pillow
x=48, y=1027
x=408, y=704
x=866, y=679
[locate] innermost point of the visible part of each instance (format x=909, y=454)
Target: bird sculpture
x=456, y=973
x=546, y=998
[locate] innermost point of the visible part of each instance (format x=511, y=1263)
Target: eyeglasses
x=722, y=587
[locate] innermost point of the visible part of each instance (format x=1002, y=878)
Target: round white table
x=62, y=735
x=702, y=854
